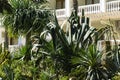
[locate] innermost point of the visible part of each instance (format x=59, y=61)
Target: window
x=110, y=0
x=13, y=41
x=87, y=2
x=60, y=4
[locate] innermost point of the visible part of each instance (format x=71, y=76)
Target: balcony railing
x=93, y=9
x=89, y=9
x=60, y=13
x=113, y=6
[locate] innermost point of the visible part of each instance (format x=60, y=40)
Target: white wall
x=1, y=34
x=1, y=30
x=110, y=0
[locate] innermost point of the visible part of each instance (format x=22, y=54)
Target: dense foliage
x=56, y=54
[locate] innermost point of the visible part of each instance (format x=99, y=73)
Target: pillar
x=103, y=5
x=68, y=7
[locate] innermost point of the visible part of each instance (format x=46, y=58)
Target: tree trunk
x=11, y=41
x=6, y=43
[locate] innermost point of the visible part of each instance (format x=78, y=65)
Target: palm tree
x=28, y=18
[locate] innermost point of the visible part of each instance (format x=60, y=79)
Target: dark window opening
x=87, y=2
x=60, y=4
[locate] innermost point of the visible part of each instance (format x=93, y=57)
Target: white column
x=68, y=6
x=103, y=5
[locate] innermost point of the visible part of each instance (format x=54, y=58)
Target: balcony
x=60, y=13
x=112, y=8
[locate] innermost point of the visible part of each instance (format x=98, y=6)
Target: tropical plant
x=107, y=61
x=13, y=67
x=78, y=40
x=26, y=19
x=5, y=68
x=117, y=77
x=5, y=9
x=56, y=54
x=64, y=45
x=90, y=61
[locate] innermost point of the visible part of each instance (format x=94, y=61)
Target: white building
x=100, y=12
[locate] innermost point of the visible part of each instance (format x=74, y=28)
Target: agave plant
x=64, y=45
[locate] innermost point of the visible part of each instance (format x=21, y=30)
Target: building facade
x=100, y=12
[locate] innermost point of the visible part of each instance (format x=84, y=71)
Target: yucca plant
x=90, y=60
x=100, y=65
